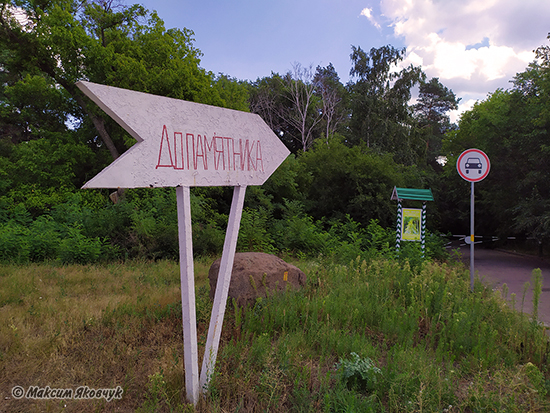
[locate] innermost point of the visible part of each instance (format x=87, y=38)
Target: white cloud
x=473, y=46
x=368, y=14
x=19, y=15
x=454, y=115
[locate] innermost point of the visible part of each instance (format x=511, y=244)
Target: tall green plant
x=537, y=291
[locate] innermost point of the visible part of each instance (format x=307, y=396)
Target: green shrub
x=14, y=243
x=76, y=248
x=208, y=239
x=44, y=239
x=298, y=232
x=359, y=374
x=253, y=232
x=144, y=224
x=381, y=240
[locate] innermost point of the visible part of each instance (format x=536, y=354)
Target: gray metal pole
x=472, y=238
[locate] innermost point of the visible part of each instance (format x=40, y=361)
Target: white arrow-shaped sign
x=183, y=143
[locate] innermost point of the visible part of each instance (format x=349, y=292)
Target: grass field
x=370, y=336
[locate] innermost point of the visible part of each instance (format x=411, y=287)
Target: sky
x=474, y=47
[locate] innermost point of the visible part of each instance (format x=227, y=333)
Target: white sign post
x=182, y=144
x=472, y=165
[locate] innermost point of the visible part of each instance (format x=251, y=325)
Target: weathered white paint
x=188, y=310
x=222, y=286
x=183, y=143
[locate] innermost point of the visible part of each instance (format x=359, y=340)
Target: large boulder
x=254, y=274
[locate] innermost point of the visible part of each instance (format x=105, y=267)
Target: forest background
x=351, y=144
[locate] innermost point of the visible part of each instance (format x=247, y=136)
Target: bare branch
x=303, y=113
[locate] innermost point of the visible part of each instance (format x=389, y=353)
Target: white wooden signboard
x=182, y=144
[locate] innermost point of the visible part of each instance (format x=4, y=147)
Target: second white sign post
x=183, y=144
x=473, y=165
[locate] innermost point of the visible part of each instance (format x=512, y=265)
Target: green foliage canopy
x=381, y=116
x=512, y=127
x=53, y=138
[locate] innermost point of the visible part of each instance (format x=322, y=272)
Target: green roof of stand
x=411, y=193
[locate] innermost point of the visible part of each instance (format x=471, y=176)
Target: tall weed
x=422, y=327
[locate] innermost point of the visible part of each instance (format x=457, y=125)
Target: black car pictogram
x=473, y=163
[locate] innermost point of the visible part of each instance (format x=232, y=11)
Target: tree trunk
x=97, y=120
x=99, y=124
x=48, y=65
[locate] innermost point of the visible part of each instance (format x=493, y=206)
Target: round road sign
x=473, y=165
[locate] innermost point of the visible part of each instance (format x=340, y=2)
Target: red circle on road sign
x=473, y=165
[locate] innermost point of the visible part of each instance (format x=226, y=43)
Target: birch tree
x=333, y=99
x=304, y=112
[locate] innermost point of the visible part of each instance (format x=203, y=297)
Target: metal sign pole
x=472, y=238
x=473, y=165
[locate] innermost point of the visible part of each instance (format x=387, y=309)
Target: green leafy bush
x=14, y=243
x=359, y=374
x=44, y=239
x=144, y=224
x=253, y=233
x=77, y=248
x=298, y=232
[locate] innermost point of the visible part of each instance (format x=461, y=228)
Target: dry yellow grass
x=96, y=326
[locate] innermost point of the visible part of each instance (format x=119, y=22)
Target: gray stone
x=254, y=274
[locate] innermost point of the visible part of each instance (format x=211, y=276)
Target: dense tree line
x=513, y=128
x=372, y=111
x=351, y=143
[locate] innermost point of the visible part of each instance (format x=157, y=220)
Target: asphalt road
x=497, y=267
